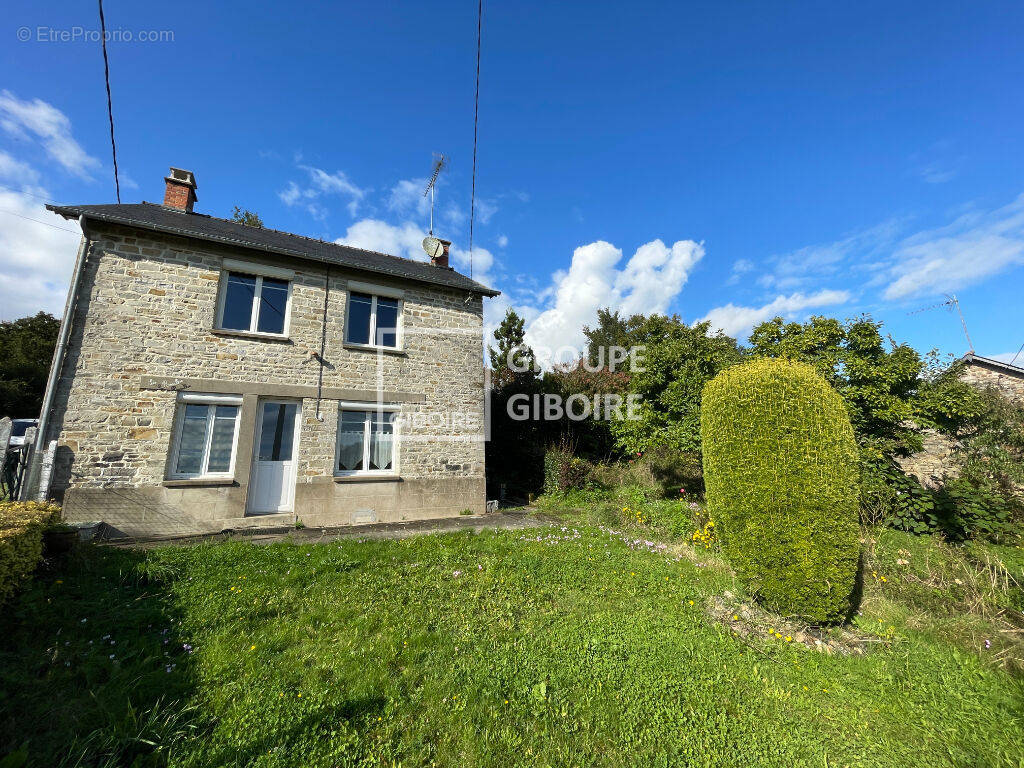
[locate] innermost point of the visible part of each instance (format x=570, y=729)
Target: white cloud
x=737, y=321
x=322, y=183
x=485, y=210
x=406, y=240
x=35, y=258
x=407, y=197
x=740, y=267
x=50, y=127
x=397, y=240
x=18, y=172
x=973, y=248
x=502, y=241
x=648, y=282
x=1014, y=358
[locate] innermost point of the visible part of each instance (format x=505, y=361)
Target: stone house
x=984, y=372
x=939, y=459
x=212, y=375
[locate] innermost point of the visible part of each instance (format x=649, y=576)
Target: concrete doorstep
x=508, y=520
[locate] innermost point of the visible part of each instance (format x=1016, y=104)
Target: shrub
x=781, y=476
x=563, y=470
x=21, y=541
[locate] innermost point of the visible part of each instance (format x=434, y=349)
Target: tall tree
x=247, y=217
x=512, y=352
x=26, y=349
x=678, y=359
x=610, y=331
x=877, y=379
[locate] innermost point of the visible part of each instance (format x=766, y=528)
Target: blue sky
x=722, y=160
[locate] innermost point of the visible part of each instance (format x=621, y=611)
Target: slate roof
x=200, y=226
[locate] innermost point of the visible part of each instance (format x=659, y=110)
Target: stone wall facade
x=144, y=330
x=938, y=460
x=1005, y=381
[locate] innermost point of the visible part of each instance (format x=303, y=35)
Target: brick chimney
x=181, y=190
x=442, y=260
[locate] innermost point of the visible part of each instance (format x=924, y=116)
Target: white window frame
x=194, y=398
x=368, y=408
x=375, y=292
x=259, y=271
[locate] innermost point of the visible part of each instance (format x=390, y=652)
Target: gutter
x=62, y=340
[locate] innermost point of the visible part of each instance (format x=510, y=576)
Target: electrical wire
x=476, y=120
x=39, y=221
x=110, y=107
x=1017, y=355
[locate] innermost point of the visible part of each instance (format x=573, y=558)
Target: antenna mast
x=440, y=162
x=952, y=302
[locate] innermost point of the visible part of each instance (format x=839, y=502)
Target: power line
x=476, y=120
x=110, y=107
x=39, y=221
x=23, y=192
x=1017, y=355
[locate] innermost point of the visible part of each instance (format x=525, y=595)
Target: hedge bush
x=21, y=541
x=781, y=476
x=563, y=470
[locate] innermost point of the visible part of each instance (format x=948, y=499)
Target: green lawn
x=551, y=646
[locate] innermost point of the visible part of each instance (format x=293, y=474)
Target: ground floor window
x=366, y=441
x=205, y=436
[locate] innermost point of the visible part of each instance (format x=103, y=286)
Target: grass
x=558, y=646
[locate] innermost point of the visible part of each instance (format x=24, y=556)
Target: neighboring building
x=983, y=372
x=939, y=459
x=192, y=395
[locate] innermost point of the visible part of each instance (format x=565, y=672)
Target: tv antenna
x=953, y=303
x=440, y=163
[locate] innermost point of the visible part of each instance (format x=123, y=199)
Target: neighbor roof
x=200, y=226
x=971, y=358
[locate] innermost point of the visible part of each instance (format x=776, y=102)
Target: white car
x=18, y=429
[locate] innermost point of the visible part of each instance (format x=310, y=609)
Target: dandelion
x=252, y=647
x=735, y=617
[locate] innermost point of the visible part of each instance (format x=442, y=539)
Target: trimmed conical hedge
x=780, y=468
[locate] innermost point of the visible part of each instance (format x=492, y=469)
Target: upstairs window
x=366, y=442
x=373, y=320
x=254, y=304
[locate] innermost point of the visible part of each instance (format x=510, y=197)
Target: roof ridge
x=293, y=234
x=161, y=218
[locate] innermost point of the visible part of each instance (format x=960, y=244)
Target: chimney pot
x=180, y=192
x=442, y=260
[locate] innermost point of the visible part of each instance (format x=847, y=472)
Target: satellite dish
x=433, y=247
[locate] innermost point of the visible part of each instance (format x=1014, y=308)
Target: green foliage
x=959, y=510
x=21, y=541
x=610, y=331
x=515, y=452
x=26, y=349
x=512, y=352
x=780, y=466
x=877, y=384
x=678, y=360
x=563, y=470
x=247, y=217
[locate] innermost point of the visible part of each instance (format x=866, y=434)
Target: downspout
x=62, y=341
x=323, y=344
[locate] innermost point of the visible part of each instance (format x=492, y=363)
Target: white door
x=273, y=462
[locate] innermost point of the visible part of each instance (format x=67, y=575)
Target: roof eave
x=73, y=212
